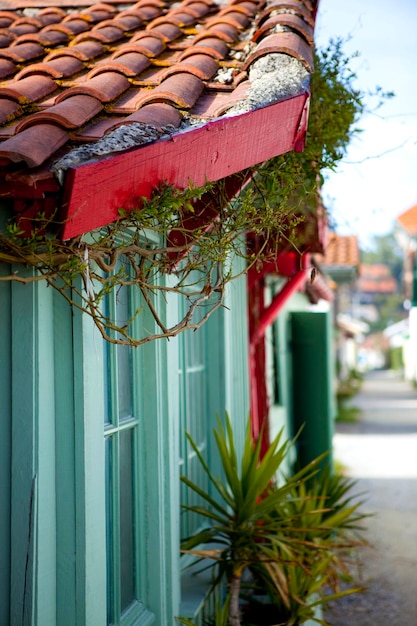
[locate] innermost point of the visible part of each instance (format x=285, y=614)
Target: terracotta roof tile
x=182, y=89
x=212, y=46
x=7, y=18
x=288, y=43
x=61, y=67
x=377, y=278
x=408, y=220
x=222, y=30
x=19, y=53
x=106, y=34
x=340, y=251
x=51, y=37
x=106, y=87
x=130, y=64
x=9, y=110
x=29, y=89
x=6, y=38
x=7, y=68
x=72, y=72
x=149, y=44
x=85, y=51
x=73, y=112
x=235, y=19
x=158, y=115
x=286, y=21
x=213, y=105
x=75, y=25
x=201, y=65
x=33, y=145
x=287, y=6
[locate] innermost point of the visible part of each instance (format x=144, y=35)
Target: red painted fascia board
x=94, y=192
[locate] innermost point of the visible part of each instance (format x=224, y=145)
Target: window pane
x=127, y=547
x=124, y=379
x=109, y=529
x=193, y=419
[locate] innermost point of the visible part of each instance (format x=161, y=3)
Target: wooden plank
x=65, y=463
x=95, y=192
x=44, y=412
x=270, y=314
x=5, y=442
x=90, y=514
x=23, y=441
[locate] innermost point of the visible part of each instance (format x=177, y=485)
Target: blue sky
x=378, y=178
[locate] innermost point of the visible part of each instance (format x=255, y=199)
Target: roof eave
x=95, y=192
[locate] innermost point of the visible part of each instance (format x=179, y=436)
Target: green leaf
x=203, y=494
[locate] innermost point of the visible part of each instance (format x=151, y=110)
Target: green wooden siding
x=56, y=378
x=220, y=350
x=5, y=444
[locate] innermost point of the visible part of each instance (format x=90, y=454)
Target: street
x=380, y=453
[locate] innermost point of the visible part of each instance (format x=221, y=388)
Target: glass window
x=193, y=417
x=121, y=431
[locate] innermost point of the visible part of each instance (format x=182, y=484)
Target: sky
x=377, y=180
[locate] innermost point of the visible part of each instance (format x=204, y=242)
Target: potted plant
x=281, y=533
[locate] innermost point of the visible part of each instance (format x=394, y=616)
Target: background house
x=406, y=233
x=341, y=263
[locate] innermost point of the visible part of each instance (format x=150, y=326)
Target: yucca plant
x=326, y=525
x=239, y=515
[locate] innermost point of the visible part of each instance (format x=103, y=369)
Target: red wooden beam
x=260, y=318
x=271, y=313
x=95, y=192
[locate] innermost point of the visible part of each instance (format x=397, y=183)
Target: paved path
x=380, y=452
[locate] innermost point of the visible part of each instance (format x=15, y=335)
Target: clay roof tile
x=29, y=89
x=104, y=87
x=74, y=73
x=22, y=53
x=408, y=220
x=33, y=146
x=70, y=113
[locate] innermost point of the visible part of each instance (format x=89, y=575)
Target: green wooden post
x=46, y=558
x=235, y=345
x=65, y=463
x=33, y=556
x=312, y=372
x=160, y=568
x=89, y=473
x=23, y=455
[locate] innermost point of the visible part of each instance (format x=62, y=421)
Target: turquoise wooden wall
x=52, y=492
x=5, y=445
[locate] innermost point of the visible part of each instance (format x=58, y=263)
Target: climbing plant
x=136, y=250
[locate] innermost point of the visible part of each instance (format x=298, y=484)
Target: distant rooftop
x=340, y=251
x=408, y=220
